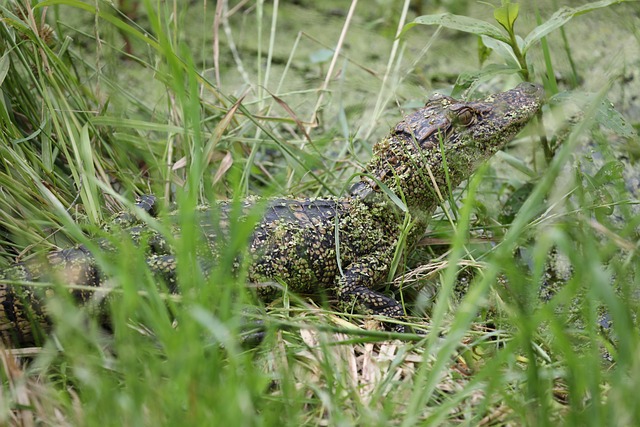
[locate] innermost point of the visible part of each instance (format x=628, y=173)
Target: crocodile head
x=445, y=141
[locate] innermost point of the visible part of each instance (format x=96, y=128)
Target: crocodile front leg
x=354, y=289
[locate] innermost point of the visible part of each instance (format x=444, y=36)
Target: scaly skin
x=296, y=241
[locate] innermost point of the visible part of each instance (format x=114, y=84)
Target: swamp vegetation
x=526, y=282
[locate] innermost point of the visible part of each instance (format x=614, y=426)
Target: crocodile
x=344, y=245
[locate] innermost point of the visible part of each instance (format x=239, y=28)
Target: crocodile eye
x=465, y=116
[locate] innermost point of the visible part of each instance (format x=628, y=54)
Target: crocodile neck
x=392, y=216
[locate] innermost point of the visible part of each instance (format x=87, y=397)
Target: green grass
x=86, y=125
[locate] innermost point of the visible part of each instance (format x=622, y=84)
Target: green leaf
x=32, y=135
x=463, y=23
x=5, y=62
x=561, y=17
x=610, y=118
x=89, y=190
x=406, y=28
x=470, y=81
x=601, y=197
x=484, y=51
x=392, y=196
x=502, y=49
x=507, y=15
x=606, y=115
x=141, y=125
x=610, y=171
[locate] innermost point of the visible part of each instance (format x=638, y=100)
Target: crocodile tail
x=23, y=321
x=24, y=290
